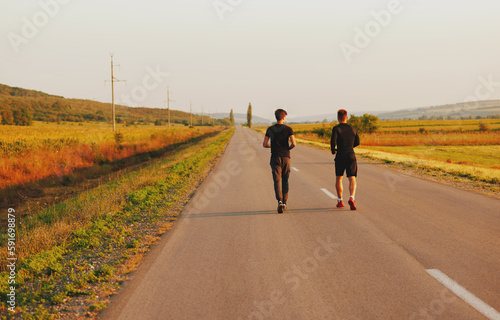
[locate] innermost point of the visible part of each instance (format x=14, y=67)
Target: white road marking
x=465, y=295
x=328, y=193
x=295, y=169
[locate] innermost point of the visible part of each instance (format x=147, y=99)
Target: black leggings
x=281, y=172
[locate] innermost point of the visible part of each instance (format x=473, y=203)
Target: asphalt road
x=231, y=256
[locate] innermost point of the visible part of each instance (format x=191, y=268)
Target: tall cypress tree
x=231, y=117
x=249, y=115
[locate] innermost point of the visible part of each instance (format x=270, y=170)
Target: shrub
x=323, y=131
x=366, y=124
x=483, y=127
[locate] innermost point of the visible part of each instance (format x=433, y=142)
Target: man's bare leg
x=339, y=187
x=340, y=190
x=352, y=191
x=352, y=186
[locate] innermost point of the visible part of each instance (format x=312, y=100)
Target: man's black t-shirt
x=344, y=139
x=279, y=135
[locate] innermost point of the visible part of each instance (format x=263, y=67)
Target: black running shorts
x=346, y=163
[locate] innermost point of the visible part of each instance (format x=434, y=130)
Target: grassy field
x=32, y=153
x=482, y=156
x=412, y=126
x=438, y=125
x=73, y=255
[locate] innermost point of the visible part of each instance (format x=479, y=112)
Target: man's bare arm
x=266, y=143
x=294, y=142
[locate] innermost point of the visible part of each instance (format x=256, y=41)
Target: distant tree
x=483, y=127
x=158, y=122
x=366, y=124
x=231, y=117
x=7, y=117
x=223, y=122
x=356, y=122
x=0, y=119
x=23, y=117
x=249, y=115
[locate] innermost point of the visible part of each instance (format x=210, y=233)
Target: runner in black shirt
x=280, y=135
x=344, y=140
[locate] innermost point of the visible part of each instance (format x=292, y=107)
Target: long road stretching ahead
x=231, y=256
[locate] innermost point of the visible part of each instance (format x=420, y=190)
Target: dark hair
x=341, y=114
x=280, y=114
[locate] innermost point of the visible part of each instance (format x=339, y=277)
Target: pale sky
x=309, y=57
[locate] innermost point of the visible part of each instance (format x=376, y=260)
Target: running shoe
x=280, y=207
x=352, y=204
x=284, y=207
x=340, y=204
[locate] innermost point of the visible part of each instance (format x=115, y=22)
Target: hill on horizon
x=457, y=110
x=489, y=108
x=52, y=108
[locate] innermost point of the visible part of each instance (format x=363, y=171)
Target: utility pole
x=202, y=115
x=113, y=79
x=168, y=105
x=191, y=112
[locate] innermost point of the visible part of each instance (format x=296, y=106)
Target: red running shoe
x=352, y=204
x=340, y=204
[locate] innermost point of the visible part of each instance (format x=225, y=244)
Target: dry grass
x=432, y=139
x=417, y=133
x=469, y=170
x=34, y=153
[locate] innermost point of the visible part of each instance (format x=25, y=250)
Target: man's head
x=342, y=115
x=280, y=114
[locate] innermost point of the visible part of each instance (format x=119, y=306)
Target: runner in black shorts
x=344, y=140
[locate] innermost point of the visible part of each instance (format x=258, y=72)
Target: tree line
x=364, y=124
x=20, y=117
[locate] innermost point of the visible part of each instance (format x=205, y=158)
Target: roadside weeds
x=76, y=275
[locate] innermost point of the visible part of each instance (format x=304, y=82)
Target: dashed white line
x=328, y=193
x=295, y=169
x=465, y=295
